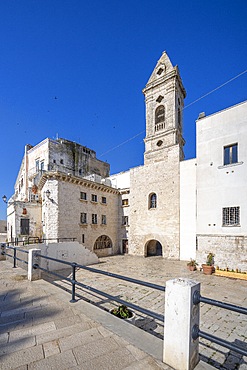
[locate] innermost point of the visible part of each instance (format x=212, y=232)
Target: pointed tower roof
x=162, y=71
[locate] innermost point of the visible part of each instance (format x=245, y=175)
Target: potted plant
x=122, y=312
x=192, y=265
x=208, y=267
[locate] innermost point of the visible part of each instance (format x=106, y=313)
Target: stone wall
x=65, y=206
x=229, y=251
x=160, y=223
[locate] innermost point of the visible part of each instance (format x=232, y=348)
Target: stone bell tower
x=164, y=96
x=155, y=187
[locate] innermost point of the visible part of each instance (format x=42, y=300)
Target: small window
x=103, y=219
x=94, y=198
x=54, y=161
x=83, y=195
x=125, y=220
x=94, y=219
x=83, y=218
x=83, y=238
x=103, y=200
x=80, y=171
x=61, y=161
x=37, y=165
x=42, y=166
x=153, y=200
x=230, y=154
x=24, y=226
x=125, y=202
x=231, y=216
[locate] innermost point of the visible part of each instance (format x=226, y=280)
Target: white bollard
x=180, y=351
x=33, y=274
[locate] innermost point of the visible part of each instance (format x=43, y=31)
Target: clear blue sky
x=96, y=57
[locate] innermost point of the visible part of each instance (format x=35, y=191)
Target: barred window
x=83, y=195
x=231, y=216
x=103, y=219
x=94, y=219
x=94, y=198
x=83, y=218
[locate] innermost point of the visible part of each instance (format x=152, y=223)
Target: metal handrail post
x=14, y=258
x=73, y=282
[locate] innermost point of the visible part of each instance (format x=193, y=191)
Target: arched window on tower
x=152, y=201
x=160, y=118
x=179, y=118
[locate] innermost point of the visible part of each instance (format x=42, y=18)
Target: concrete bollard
x=180, y=351
x=2, y=252
x=33, y=274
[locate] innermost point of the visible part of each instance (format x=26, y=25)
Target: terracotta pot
x=207, y=269
x=191, y=268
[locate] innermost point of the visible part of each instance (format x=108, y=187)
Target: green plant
x=192, y=263
x=210, y=259
x=122, y=312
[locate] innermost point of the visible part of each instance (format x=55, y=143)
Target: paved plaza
x=41, y=329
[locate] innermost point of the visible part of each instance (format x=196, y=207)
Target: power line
x=193, y=102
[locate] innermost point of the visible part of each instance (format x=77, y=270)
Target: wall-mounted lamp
x=48, y=193
x=4, y=198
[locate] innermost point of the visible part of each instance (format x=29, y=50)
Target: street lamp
x=48, y=193
x=4, y=198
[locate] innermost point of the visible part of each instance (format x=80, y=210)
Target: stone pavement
x=41, y=329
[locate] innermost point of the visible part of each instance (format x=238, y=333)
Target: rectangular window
x=231, y=216
x=103, y=219
x=83, y=218
x=94, y=198
x=125, y=202
x=24, y=226
x=94, y=218
x=83, y=195
x=125, y=220
x=42, y=166
x=104, y=200
x=83, y=238
x=37, y=165
x=230, y=154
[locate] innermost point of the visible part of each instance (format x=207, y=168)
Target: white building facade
x=169, y=207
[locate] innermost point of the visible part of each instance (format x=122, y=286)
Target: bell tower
x=164, y=98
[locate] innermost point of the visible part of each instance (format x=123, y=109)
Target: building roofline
x=220, y=111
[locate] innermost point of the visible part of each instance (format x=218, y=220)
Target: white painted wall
x=221, y=186
x=188, y=209
x=120, y=180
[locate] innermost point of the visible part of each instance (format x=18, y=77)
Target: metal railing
x=196, y=332
x=74, y=283
x=14, y=256
x=37, y=240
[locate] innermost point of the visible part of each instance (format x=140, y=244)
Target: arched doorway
x=103, y=246
x=153, y=248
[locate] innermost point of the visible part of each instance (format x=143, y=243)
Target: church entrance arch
x=153, y=248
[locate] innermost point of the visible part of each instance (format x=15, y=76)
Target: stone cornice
x=59, y=176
